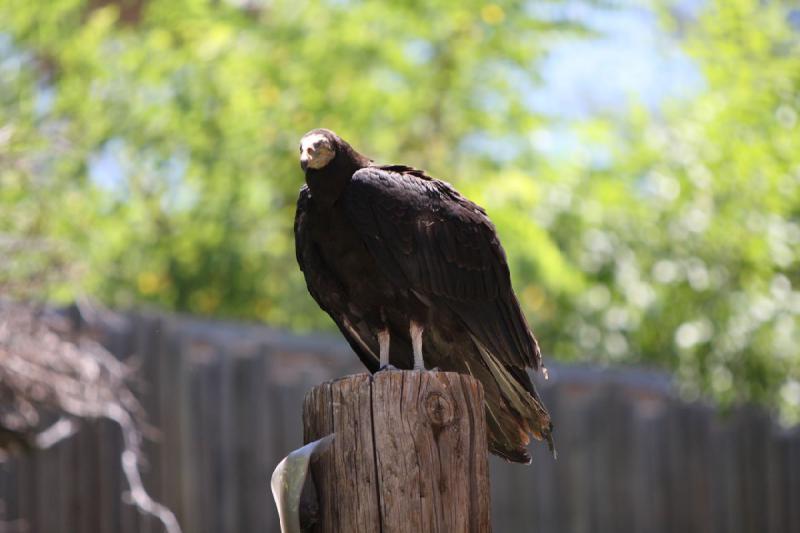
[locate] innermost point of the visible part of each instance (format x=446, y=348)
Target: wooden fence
x=225, y=400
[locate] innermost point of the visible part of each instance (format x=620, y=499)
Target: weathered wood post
x=409, y=455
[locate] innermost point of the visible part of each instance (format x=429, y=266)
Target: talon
x=387, y=367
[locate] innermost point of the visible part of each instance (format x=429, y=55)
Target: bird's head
x=318, y=148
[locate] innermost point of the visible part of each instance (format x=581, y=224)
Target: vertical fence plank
x=544, y=471
x=645, y=507
x=699, y=474
x=227, y=494
x=245, y=412
x=172, y=397
x=793, y=488
x=147, y=335
x=268, y=445
x=188, y=455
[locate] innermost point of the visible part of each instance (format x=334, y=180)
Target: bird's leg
x=416, y=344
x=383, y=343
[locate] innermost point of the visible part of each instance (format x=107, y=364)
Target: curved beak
x=303, y=162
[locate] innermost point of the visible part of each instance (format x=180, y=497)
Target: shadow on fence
x=225, y=401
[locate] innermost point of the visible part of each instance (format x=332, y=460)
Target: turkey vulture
x=413, y=274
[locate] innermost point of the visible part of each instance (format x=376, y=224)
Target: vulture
x=414, y=276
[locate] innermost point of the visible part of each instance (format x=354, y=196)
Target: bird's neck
x=327, y=184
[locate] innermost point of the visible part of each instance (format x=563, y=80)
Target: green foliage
x=201, y=105
x=689, y=240
x=148, y=153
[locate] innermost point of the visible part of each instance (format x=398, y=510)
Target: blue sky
x=632, y=59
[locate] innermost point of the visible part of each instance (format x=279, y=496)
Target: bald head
x=317, y=149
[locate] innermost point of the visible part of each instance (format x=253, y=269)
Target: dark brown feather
x=456, y=253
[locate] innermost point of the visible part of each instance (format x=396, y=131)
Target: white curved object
x=288, y=479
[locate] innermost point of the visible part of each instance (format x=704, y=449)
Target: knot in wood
x=439, y=409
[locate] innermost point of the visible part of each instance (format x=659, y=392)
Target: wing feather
x=326, y=290
x=430, y=239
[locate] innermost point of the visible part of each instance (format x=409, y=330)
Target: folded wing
x=432, y=240
x=327, y=291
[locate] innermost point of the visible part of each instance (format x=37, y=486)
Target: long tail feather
x=520, y=397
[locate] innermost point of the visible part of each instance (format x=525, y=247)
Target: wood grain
x=409, y=455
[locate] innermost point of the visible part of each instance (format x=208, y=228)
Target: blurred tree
x=684, y=222
x=151, y=145
x=159, y=137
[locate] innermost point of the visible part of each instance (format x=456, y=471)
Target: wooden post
x=409, y=453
